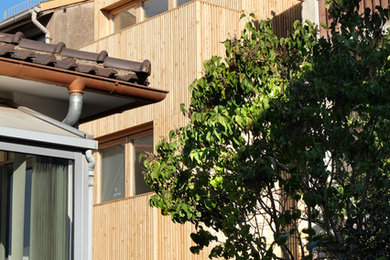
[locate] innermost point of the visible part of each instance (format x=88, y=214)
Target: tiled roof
x=17, y=47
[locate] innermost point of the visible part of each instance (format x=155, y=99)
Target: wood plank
x=48, y=5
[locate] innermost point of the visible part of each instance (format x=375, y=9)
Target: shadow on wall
x=283, y=22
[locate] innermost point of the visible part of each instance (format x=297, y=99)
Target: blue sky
x=5, y=4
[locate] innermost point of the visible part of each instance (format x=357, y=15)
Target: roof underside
x=52, y=100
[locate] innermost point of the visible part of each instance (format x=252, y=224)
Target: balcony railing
x=14, y=10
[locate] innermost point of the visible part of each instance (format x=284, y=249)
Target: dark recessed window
x=121, y=171
x=155, y=7
x=180, y=2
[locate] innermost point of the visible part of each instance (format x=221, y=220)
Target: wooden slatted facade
x=127, y=229
x=176, y=42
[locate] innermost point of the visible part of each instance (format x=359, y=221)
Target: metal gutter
x=62, y=77
x=32, y=12
x=15, y=19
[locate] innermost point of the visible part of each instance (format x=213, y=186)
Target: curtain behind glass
x=113, y=173
x=49, y=223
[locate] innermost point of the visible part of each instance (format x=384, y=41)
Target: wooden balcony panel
x=130, y=229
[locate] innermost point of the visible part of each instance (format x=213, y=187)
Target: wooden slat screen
x=130, y=229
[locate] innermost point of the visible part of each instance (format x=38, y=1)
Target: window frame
x=78, y=189
x=115, y=8
x=123, y=137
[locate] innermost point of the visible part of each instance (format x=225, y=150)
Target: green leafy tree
x=289, y=135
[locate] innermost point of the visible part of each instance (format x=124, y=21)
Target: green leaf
x=183, y=108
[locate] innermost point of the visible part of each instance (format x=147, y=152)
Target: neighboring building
x=55, y=21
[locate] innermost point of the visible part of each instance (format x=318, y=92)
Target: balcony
x=19, y=8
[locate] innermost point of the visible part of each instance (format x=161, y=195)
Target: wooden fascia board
x=135, y=132
x=119, y=6
x=58, y=3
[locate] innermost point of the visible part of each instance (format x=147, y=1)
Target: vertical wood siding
x=129, y=229
x=176, y=42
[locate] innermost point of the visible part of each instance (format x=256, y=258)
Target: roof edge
x=54, y=122
x=15, y=18
x=31, y=71
x=34, y=136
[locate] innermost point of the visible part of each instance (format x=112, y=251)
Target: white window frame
x=79, y=246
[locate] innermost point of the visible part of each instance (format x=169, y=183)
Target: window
x=140, y=146
x=180, y=2
x=113, y=172
x=121, y=171
x=155, y=7
x=125, y=13
x=35, y=210
x=124, y=18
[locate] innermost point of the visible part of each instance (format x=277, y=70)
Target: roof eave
x=31, y=71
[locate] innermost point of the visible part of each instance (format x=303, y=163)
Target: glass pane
x=34, y=206
x=141, y=146
x=155, y=7
x=5, y=174
x=113, y=173
x=124, y=19
x=27, y=209
x=180, y=2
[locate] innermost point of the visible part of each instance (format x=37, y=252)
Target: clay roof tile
x=23, y=54
x=6, y=49
x=17, y=47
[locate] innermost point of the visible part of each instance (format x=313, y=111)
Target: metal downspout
x=75, y=102
x=91, y=166
x=75, y=107
x=40, y=26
